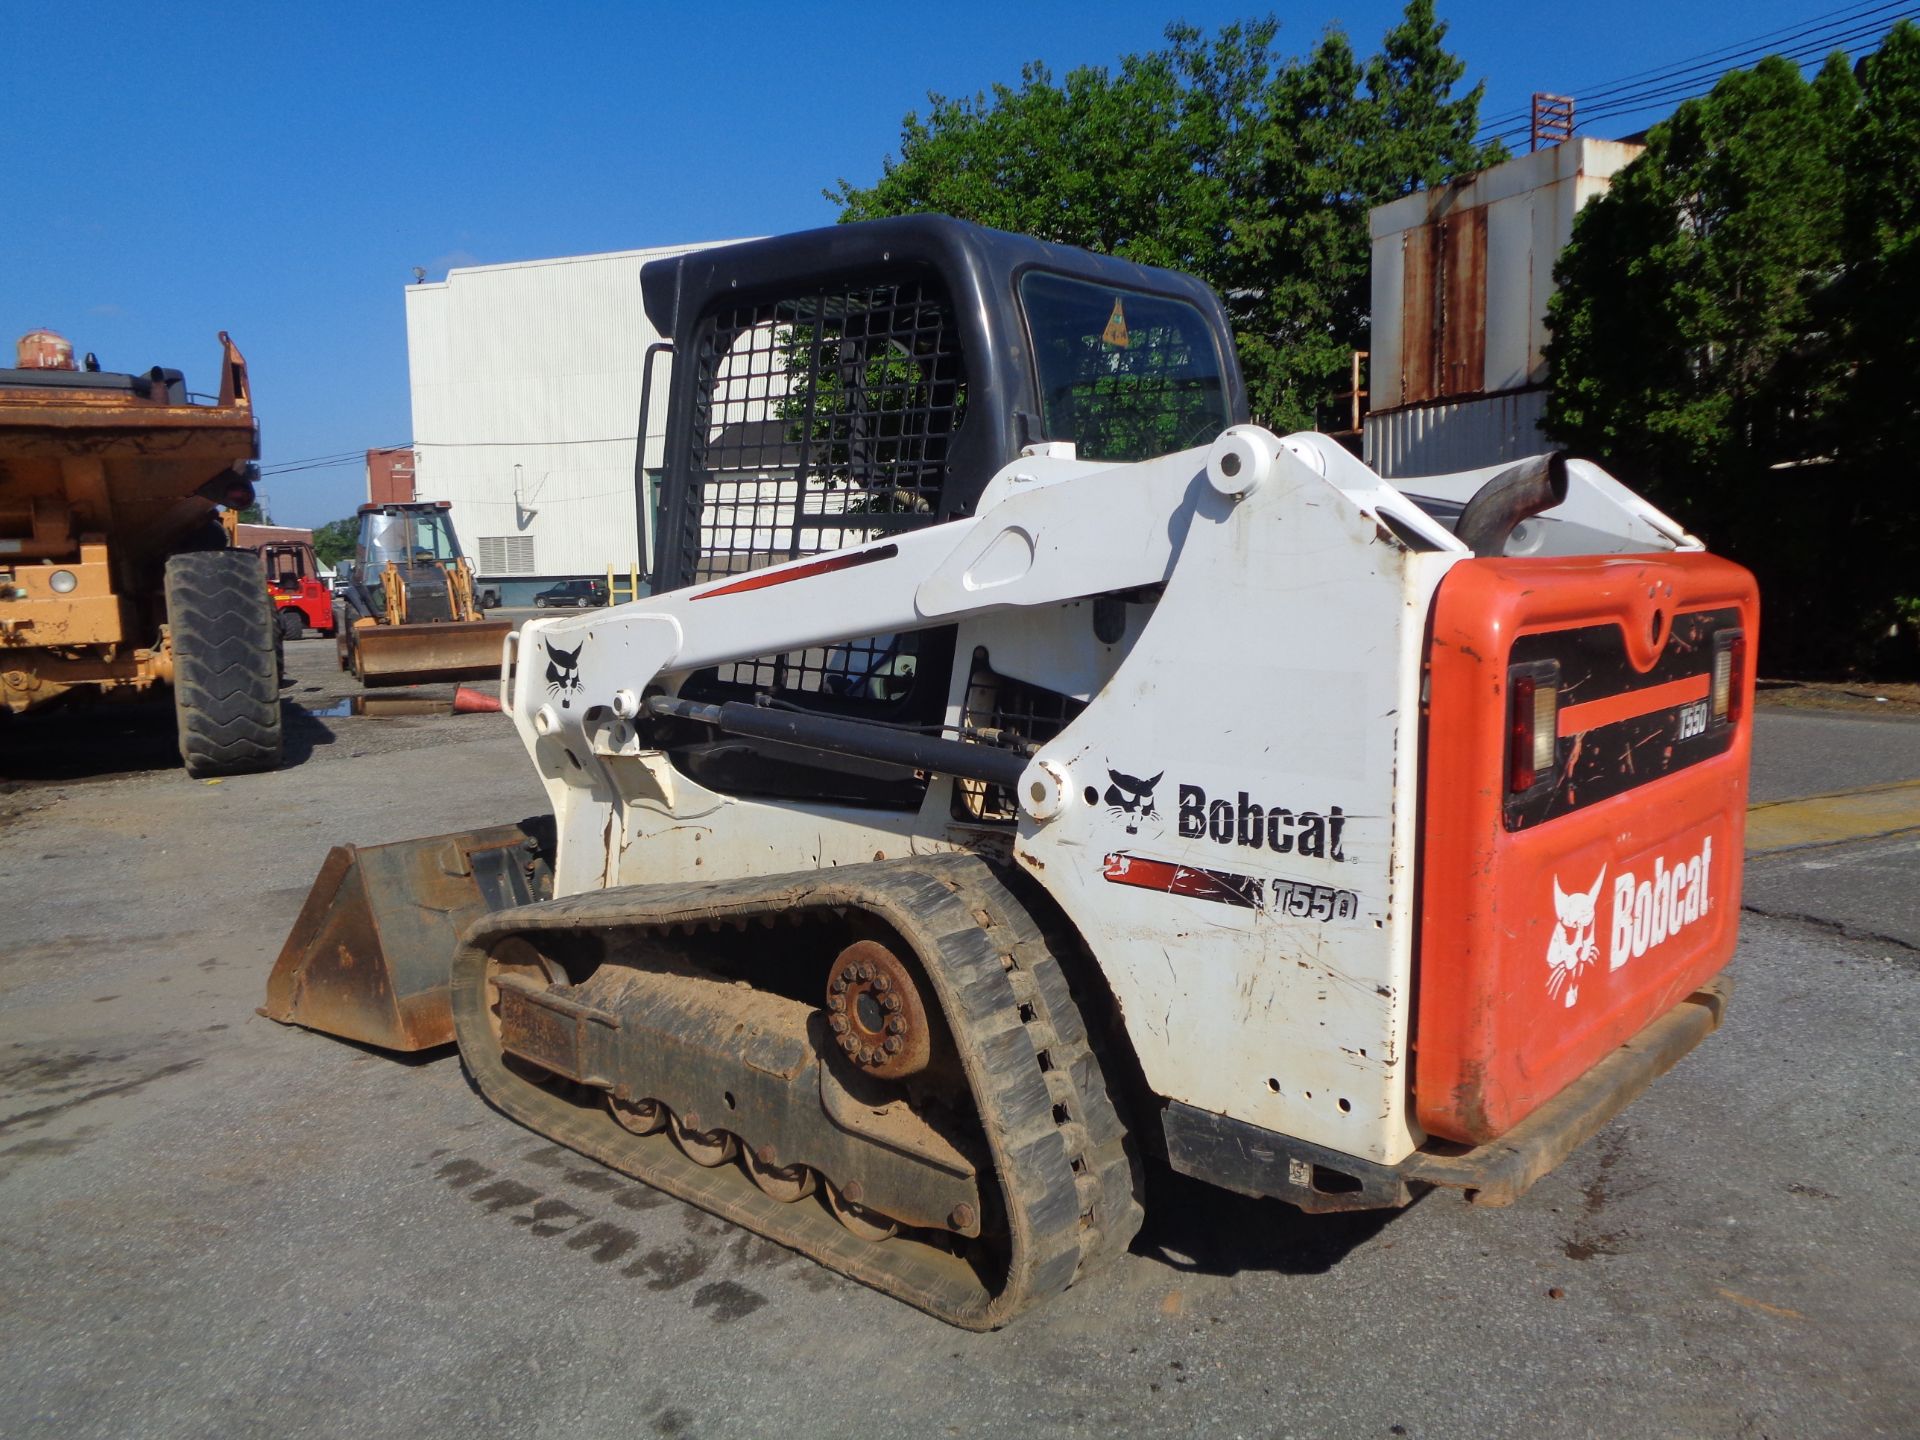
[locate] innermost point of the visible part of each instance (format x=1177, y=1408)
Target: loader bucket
x=368, y=957
x=428, y=653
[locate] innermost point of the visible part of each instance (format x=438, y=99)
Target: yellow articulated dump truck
x=116, y=576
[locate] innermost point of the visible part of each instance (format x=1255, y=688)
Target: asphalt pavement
x=217, y=1226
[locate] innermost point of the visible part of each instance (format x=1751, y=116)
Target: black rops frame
x=980, y=270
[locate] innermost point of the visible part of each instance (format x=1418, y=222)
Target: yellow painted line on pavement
x=1830, y=819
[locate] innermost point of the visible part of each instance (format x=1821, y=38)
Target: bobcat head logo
x=563, y=671
x=1132, y=799
x=1573, y=947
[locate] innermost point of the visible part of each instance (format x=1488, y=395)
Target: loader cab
x=418, y=541
x=1122, y=376
x=405, y=535
x=843, y=385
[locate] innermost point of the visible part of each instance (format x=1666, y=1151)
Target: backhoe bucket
x=368, y=957
x=428, y=653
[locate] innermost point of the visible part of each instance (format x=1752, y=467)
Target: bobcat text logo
x=563, y=671
x=1132, y=799
x=1261, y=827
x=1573, y=947
x=1649, y=911
x=1646, y=912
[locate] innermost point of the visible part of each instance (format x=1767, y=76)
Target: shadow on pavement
x=1196, y=1228
x=102, y=741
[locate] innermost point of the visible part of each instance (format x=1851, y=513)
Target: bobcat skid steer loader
x=1031, y=766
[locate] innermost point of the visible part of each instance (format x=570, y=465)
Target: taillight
x=1729, y=664
x=1533, y=719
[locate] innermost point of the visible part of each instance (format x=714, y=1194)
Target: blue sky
x=276, y=170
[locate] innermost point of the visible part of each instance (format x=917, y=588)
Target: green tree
x=1338, y=136
x=1688, y=285
x=1721, y=318
x=1881, y=244
x=1419, y=137
x=1100, y=160
x=334, y=541
x=1880, y=411
x=1215, y=156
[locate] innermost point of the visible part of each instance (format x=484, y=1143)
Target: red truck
x=300, y=598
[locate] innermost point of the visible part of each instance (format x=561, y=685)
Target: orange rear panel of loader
x=1559, y=919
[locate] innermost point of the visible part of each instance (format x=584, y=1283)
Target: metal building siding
x=1455, y=435
x=1420, y=346
x=1516, y=297
x=1383, y=339
x=536, y=365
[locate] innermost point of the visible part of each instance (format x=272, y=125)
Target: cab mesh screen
x=821, y=422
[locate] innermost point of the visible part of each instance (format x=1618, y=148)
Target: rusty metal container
x=44, y=350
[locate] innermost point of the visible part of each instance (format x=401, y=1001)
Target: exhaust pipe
x=1517, y=493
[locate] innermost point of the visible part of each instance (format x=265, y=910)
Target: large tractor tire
x=293, y=625
x=226, y=673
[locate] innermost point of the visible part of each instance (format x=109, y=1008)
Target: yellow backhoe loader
x=408, y=614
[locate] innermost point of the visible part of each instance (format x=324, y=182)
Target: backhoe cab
x=1029, y=766
x=407, y=614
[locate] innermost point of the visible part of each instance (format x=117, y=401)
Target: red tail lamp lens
x=1729, y=666
x=1520, y=771
x=1533, y=724
x=1736, y=700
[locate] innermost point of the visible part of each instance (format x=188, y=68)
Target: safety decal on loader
x=1645, y=912
x=1131, y=798
x=1191, y=881
x=1268, y=827
x=563, y=670
x=1572, y=948
x=1293, y=898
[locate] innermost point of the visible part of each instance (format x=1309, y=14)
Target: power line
x=355, y=457
x=317, y=462
x=1652, y=97
x=1729, y=56
x=1663, y=98
x=1686, y=82
x=546, y=500
x=477, y=444
x=1726, y=57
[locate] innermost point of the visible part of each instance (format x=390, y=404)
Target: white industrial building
x=526, y=397
x=1461, y=278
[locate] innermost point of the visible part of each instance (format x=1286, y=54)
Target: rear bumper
x=1252, y=1161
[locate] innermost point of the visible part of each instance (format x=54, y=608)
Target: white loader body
x=1230, y=823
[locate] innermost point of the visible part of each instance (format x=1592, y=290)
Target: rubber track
x=226, y=673
x=1067, y=1177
